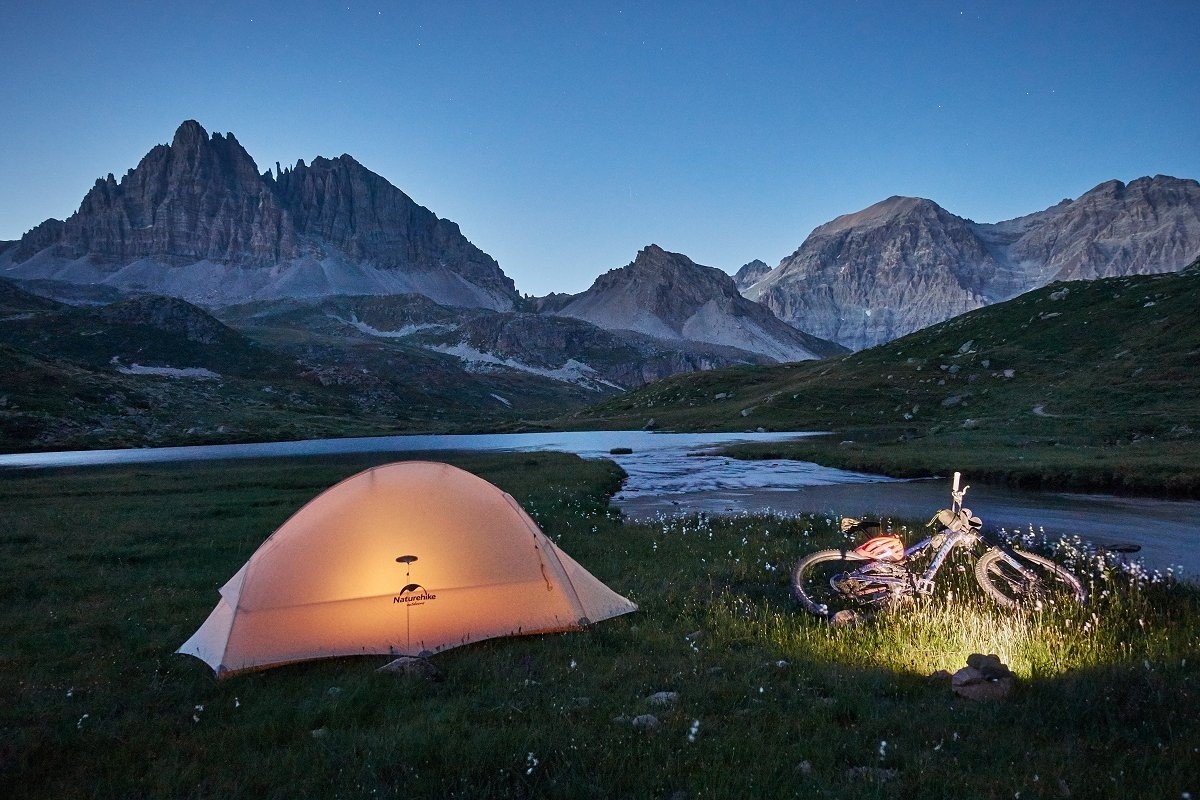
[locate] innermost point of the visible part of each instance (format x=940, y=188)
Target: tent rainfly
x=409, y=558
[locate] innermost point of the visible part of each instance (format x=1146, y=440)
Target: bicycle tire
x=812, y=579
x=1042, y=581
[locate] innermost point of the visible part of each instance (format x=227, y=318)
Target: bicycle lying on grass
x=841, y=585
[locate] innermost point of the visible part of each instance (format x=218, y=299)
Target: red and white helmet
x=882, y=548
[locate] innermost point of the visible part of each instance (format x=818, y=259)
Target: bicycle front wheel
x=828, y=581
x=1017, y=578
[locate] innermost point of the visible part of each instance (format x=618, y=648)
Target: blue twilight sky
x=563, y=136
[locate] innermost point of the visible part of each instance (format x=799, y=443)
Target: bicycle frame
x=961, y=530
x=950, y=540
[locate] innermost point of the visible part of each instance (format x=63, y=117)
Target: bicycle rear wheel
x=831, y=581
x=1031, y=581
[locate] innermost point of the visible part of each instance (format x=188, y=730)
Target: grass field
x=104, y=572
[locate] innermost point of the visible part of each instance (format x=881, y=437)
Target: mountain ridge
x=196, y=219
x=905, y=263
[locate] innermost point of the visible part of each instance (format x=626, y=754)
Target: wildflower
x=882, y=748
x=530, y=762
x=693, y=730
x=572, y=664
x=79, y=725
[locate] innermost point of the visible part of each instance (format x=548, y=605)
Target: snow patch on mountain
x=196, y=373
x=399, y=333
x=572, y=371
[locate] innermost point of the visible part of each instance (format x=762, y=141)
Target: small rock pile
x=985, y=677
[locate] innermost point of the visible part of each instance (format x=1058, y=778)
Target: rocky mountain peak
x=1110, y=188
x=652, y=263
x=657, y=276
x=196, y=219
x=750, y=274
x=883, y=213
x=189, y=135
x=1115, y=194
x=668, y=296
x=879, y=273
x=652, y=254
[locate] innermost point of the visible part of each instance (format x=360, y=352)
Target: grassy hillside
x=1088, y=385
x=104, y=572
x=154, y=371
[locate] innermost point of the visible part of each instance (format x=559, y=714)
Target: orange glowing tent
x=406, y=559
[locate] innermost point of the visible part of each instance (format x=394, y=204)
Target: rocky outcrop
x=906, y=263
x=750, y=274
x=668, y=296
x=196, y=220
x=168, y=315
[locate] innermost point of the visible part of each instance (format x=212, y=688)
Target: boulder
x=645, y=722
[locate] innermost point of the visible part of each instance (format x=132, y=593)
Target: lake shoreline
x=1131, y=472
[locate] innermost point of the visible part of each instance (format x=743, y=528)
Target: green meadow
x=104, y=572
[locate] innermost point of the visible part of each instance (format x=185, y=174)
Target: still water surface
x=671, y=473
